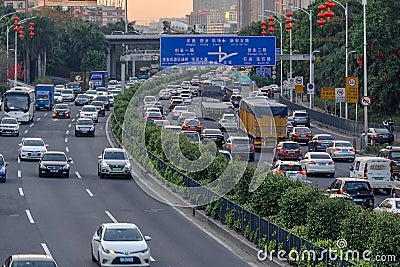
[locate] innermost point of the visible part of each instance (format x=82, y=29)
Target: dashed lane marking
x=21, y=192
x=66, y=140
x=66, y=149
x=26, y=131
x=67, y=132
x=89, y=193
x=46, y=249
x=38, y=119
x=30, y=218
x=78, y=175
x=19, y=174
x=45, y=114
x=69, y=125
x=32, y=125
x=110, y=216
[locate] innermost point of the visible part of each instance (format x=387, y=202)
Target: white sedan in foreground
x=120, y=244
x=318, y=163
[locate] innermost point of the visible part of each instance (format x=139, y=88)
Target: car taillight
x=312, y=162
x=341, y=191
x=319, y=143
x=377, y=135
x=148, y=119
x=252, y=147
x=198, y=126
x=331, y=163
x=352, y=149
x=230, y=147
x=280, y=172
x=309, y=134
x=365, y=175
x=336, y=149
x=302, y=172
x=295, y=134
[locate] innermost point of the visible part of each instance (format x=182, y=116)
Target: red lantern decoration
x=289, y=14
x=329, y=14
x=321, y=22
x=16, y=18
x=329, y=4
x=31, y=34
x=271, y=19
x=289, y=20
x=263, y=28
x=271, y=29
x=321, y=7
x=31, y=29
x=289, y=27
x=321, y=15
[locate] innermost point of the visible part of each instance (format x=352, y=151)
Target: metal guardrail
x=18, y=83
x=247, y=221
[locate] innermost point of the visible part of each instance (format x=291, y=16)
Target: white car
x=67, y=94
x=89, y=111
x=291, y=169
x=91, y=94
x=391, y=205
x=9, y=126
x=177, y=111
x=149, y=99
x=111, y=100
x=120, y=244
x=318, y=163
x=115, y=92
x=31, y=148
x=339, y=149
x=187, y=99
x=59, y=88
x=58, y=98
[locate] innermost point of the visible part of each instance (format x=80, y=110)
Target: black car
x=84, y=127
x=358, y=191
x=213, y=134
x=320, y=142
x=104, y=99
x=174, y=103
x=82, y=100
x=54, y=163
x=61, y=111
x=235, y=100
x=100, y=107
x=379, y=136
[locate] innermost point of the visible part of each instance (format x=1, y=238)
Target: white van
x=377, y=170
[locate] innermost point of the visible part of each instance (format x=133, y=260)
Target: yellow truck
x=265, y=121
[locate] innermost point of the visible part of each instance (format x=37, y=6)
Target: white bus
x=19, y=103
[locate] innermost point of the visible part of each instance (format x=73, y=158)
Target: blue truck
x=98, y=79
x=44, y=96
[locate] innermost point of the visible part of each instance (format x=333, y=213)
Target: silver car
x=114, y=162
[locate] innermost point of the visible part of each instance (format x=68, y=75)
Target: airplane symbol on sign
x=222, y=55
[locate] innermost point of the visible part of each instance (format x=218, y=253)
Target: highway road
x=59, y=215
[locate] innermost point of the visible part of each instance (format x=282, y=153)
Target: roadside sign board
x=218, y=49
x=298, y=80
x=328, y=93
x=310, y=88
x=299, y=89
x=366, y=101
x=351, y=89
x=340, y=95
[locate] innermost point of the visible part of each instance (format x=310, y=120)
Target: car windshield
x=33, y=264
x=356, y=186
x=240, y=141
x=97, y=103
x=301, y=114
x=149, y=99
x=302, y=130
x=343, y=144
x=212, y=131
x=291, y=167
x=33, y=143
x=82, y=97
x=398, y=205
x=89, y=109
x=325, y=137
x=9, y=121
x=194, y=137
x=67, y=91
x=291, y=145
x=114, y=155
x=61, y=107
x=122, y=235
x=102, y=98
x=192, y=122
x=57, y=93
x=320, y=156
x=54, y=157
x=395, y=154
x=382, y=131
x=84, y=122
x=181, y=108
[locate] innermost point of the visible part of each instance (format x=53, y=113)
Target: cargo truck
x=214, y=110
x=98, y=79
x=265, y=121
x=44, y=96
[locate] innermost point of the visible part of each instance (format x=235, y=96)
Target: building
x=20, y=5
x=205, y=17
x=221, y=5
x=103, y=15
x=254, y=10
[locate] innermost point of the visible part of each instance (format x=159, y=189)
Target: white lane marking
x=38, y=119
x=66, y=149
x=45, y=114
x=26, y=131
x=89, y=193
x=67, y=132
x=46, y=249
x=110, y=216
x=73, y=119
x=32, y=125
x=66, y=140
x=76, y=115
x=152, y=259
x=309, y=182
x=19, y=174
x=30, y=218
x=21, y=192
x=69, y=125
x=78, y=175
x=18, y=160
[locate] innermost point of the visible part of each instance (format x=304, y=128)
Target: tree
x=93, y=60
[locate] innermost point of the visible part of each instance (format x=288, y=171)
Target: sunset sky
x=151, y=10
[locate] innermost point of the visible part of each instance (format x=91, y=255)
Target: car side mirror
x=19, y=145
x=96, y=238
x=351, y=168
x=47, y=145
x=6, y=163
x=18, y=122
x=69, y=160
x=328, y=190
x=99, y=157
x=147, y=238
x=130, y=157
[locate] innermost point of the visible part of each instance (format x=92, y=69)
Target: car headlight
x=128, y=165
x=104, y=165
x=109, y=251
x=42, y=166
x=3, y=169
x=65, y=167
x=144, y=251
x=92, y=129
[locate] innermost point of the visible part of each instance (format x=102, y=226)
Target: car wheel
x=17, y=134
x=76, y=134
x=40, y=174
x=101, y=176
x=3, y=180
x=67, y=175
x=394, y=195
x=307, y=173
x=331, y=175
x=93, y=134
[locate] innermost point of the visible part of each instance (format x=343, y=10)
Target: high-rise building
x=221, y=5
x=254, y=10
x=204, y=17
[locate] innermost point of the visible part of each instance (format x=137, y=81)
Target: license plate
x=53, y=171
x=84, y=131
x=291, y=152
x=345, y=150
x=60, y=113
x=321, y=164
x=385, y=136
x=126, y=259
x=303, y=135
x=378, y=178
x=34, y=154
x=116, y=169
x=358, y=200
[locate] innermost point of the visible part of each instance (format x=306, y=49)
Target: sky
x=145, y=11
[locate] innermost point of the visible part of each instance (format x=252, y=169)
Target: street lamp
x=309, y=13
x=364, y=3
x=348, y=55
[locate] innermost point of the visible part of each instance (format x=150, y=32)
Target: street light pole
x=364, y=3
x=348, y=55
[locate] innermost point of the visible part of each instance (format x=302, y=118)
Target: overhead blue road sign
x=226, y=50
